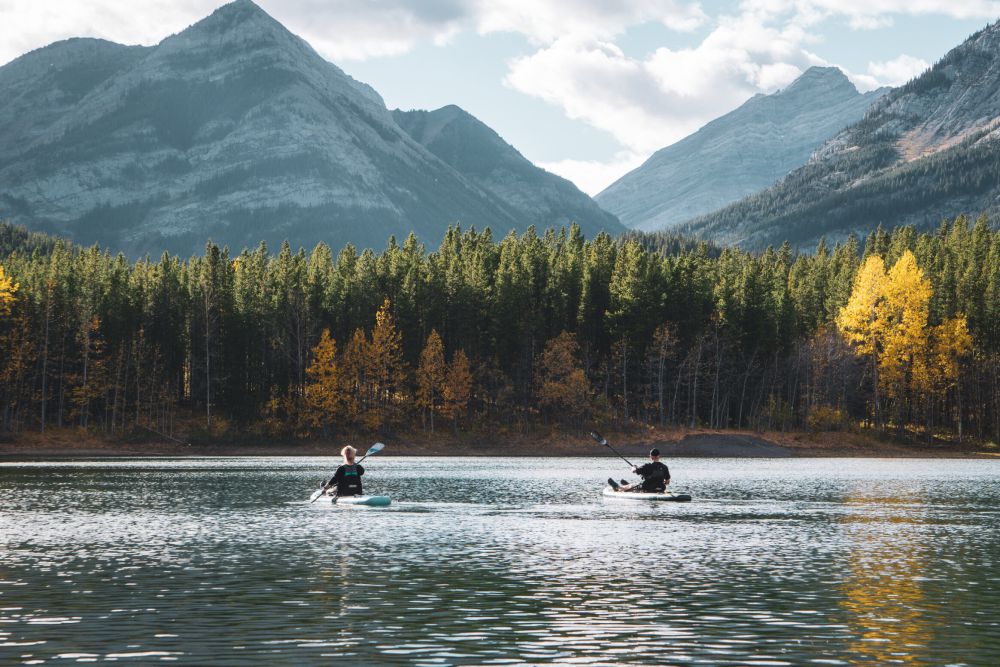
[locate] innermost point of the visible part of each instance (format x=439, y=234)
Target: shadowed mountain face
x=536, y=196
x=234, y=130
x=737, y=154
x=923, y=152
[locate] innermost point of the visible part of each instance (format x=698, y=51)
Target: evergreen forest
x=898, y=333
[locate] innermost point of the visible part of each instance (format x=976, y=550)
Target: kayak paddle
x=600, y=440
x=374, y=449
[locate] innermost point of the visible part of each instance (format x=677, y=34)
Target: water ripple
x=499, y=561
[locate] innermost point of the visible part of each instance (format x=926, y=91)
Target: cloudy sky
x=588, y=88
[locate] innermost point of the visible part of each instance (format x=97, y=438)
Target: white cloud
x=898, y=71
x=30, y=24
x=649, y=103
x=868, y=14
x=592, y=176
x=546, y=21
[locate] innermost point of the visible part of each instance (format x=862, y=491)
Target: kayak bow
x=643, y=496
x=370, y=501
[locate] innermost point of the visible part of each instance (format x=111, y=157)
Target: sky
x=587, y=89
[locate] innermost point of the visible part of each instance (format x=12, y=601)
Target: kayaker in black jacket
x=347, y=479
x=655, y=476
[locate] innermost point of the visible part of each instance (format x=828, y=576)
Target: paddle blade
x=315, y=495
x=597, y=436
x=375, y=449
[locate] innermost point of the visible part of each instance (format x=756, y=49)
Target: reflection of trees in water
x=889, y=619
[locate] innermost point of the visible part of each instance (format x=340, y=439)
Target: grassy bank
x=674, y=443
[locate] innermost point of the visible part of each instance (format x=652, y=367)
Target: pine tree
x=431, y=375
x=457, y=387
x=386, y=367
x=356, y=381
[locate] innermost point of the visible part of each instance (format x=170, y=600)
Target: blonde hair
x=348, y=453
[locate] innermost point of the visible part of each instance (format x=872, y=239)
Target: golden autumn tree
x=562, y=385
x=8, y=288
x=887, y=320
x=457, y=387
x=431, y=375
x=862, y=321
x=323, y=399
x=907, y=334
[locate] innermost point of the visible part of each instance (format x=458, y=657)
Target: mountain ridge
x=737, y=154
x=925, y=151
x=234, y=129
x=474, y=149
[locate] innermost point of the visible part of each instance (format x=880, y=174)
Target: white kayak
x=370, y=501
x=641, y=496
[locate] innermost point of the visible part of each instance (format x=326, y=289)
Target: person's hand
x=635, y=469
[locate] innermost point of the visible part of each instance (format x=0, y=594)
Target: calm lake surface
x=500, y=561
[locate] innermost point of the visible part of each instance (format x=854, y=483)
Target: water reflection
x=890, y=614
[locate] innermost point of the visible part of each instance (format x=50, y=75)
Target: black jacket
x=654, y=475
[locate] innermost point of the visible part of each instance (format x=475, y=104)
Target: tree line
x=898, y=332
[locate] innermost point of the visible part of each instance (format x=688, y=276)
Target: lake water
x=493, y=561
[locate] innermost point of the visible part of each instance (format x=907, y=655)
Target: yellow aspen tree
x=323, y=384
x=907, y=335
x=562, y=385
x=457, y=387
x=431, y=375
x=8, y=289
x=862, y=321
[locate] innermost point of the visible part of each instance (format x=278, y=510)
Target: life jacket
x=349, y=483
x=654, y=476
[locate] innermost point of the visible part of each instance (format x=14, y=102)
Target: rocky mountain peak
x=240, y=15
x=925, y=151
x=237, y=130
x=238, y=30
x=817, y=79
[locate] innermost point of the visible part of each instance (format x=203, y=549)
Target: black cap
x=654, y=452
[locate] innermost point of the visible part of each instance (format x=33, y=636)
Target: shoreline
x=674, y=444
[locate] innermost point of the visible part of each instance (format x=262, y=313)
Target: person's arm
x=336, y=477
x=361, y=470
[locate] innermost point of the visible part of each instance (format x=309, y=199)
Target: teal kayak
x=641, y=496
x=370, y=501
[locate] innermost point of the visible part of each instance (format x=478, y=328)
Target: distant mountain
x=236, y=130
x=482, y=156
x=739, y=153
x=923, y=152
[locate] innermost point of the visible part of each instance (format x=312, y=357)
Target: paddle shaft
x=608, y=445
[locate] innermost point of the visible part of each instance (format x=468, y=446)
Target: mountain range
x=923, y=152
x=237, y=130
x=737, y=154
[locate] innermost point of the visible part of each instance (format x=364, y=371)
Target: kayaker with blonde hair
x=347, y=479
